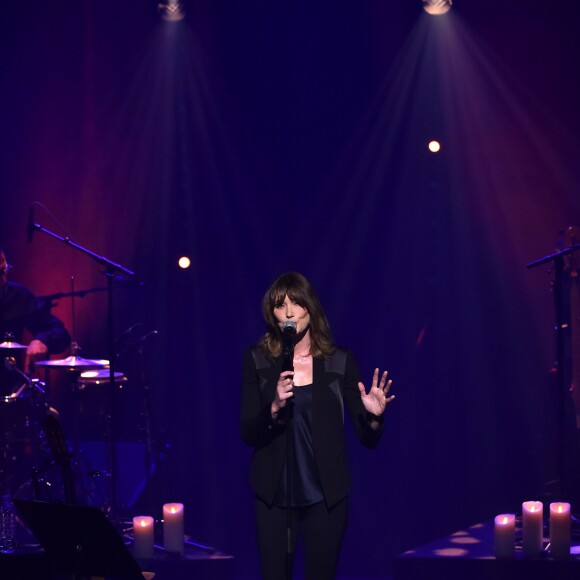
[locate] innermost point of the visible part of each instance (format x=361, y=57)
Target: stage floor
x=470, y=554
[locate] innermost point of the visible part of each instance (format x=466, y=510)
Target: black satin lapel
x=327, y=381
x=268, y=370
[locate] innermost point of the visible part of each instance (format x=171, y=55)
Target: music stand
x=79, y=540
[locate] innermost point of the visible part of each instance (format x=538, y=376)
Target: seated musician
x=20, y=310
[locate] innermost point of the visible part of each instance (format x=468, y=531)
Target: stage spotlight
x=171, y=10
x=434, y=146
x=184, y=262
x=437, y=7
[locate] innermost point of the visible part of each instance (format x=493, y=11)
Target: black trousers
x=322, y=532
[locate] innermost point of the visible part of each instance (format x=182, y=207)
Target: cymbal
x=73, y=363
x=11, y=344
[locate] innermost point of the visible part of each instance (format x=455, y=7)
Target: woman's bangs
x=295, y=294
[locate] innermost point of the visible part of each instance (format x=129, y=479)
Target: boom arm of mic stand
x=554, y=256
x=110, y=268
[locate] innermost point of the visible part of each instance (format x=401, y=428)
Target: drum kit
x=33, y=449
x=29, y=426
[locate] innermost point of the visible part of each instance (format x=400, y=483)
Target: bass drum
x=21, y=446
x=63, y=476
x=21, y=416
x=90, y=486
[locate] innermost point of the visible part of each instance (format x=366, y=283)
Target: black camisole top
x=305, y=484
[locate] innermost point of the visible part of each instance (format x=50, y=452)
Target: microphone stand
x=152, y=457
x=110, y=268
x=558, y=259
x=288, y=365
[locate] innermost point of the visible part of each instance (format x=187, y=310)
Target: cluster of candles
x=173, y=538
x=533, y=531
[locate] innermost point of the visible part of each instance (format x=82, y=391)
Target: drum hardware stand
x=34, y=384
x=74, y=385
x=152, y=456
x=9, y=342
x=110, y=270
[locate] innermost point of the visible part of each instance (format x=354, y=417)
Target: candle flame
x=560, y=509
x=172, y=510
x=143, y=523
x=505, y=520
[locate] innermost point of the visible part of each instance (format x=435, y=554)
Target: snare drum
x=94, y=402
x=100, y=377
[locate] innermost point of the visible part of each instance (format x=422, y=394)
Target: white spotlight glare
x=184, y=262
x=171, y=10
x=434, y=146
x=437, y=7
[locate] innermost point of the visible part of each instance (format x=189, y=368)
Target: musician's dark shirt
x=20, y=310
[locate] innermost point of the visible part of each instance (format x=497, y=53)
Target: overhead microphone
x=128, y=332
x=130, y=342
x=147, y=336
x=30, y=226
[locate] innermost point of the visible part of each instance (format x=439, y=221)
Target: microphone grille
x=289, y=326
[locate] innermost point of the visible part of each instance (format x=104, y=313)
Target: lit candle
x=143, y=537
x=505, y=531
x=560, y=529
x=533, y=528
x=173, y=527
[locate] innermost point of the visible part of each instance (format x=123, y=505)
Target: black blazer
x=335, y=388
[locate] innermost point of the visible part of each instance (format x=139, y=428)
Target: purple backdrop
x=259, y=138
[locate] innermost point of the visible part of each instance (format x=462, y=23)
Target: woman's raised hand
x=377, y=399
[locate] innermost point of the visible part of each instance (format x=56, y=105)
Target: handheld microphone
x=30, y=226
x=288, y=334
x=289, y=328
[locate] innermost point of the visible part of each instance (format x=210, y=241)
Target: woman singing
x=294, y=419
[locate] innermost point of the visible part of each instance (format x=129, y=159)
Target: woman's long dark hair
x=297, y=288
